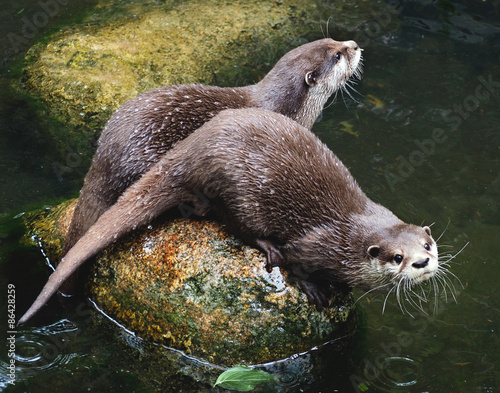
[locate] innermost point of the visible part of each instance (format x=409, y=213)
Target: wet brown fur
x=144, y=128
x=276, y=186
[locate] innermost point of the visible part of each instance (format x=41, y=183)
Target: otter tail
x=151, y=195
x=87, y=211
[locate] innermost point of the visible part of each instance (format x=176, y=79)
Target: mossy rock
x=85, y=72
x=191, y=286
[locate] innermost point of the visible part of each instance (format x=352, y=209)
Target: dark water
x=422, y=137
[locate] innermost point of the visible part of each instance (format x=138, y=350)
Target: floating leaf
x=242, y=378
x=377, y=102
x=349, y=128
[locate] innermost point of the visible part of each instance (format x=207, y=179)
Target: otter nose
x=420, y=264
x=352, y=45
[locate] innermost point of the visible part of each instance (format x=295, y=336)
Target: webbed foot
x=318, y=294
x=274, y=256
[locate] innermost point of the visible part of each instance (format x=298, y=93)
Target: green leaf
x=242, y=378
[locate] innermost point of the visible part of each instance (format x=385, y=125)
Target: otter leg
x=318, y=293
x=274, y=255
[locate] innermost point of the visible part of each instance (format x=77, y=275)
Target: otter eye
x=311, y=78
x=427, y=246
x=398, y=258
x=338, y=56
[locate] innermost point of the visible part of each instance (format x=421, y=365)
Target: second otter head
x=301, y=82
x=333, y=65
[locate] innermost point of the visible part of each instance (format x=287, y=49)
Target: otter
x=279, y=188
x=144, y=128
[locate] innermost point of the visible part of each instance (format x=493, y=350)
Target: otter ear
x=427, y=230
x=373, y=251
x=311, y=78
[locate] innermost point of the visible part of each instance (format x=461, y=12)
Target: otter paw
x=274, y=256
x=317, y=294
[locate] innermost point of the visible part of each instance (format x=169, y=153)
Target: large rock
x=191, y=286
x=85, y=72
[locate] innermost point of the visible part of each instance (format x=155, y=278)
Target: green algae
x=86, y=72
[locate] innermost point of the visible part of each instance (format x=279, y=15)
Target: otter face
x=339, y=63
x=408, y=254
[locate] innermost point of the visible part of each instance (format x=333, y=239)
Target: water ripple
x=41, y=349
x=398, y=373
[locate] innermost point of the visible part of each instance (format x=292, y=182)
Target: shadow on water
x=422, y=139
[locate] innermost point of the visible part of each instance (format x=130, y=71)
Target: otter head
x=332, y=65
x=405, y=254
x=301, y=82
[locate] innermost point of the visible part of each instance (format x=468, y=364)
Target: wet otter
x=278, y=187
x=144, y=128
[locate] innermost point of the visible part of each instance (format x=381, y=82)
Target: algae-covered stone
x=85, y=72
x=191, y=286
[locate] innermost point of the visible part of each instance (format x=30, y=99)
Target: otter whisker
x=444, y=230
x=401, y=288
x=349, y=84
x=445, y=281
x=445, y=272
x=435, y=286
x=387, y=296
x=458, y=252
x=412, y=301
x=442, y=283
x=326, y=33
x=371, y=290
x=359, y=69
x=443, y=277
x=445, y=246
x=344, y=89
x=421, y=297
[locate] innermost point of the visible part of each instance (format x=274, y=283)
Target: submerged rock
x=191, y=286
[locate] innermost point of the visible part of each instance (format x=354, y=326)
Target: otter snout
x=420, y=264
x=351, y=44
